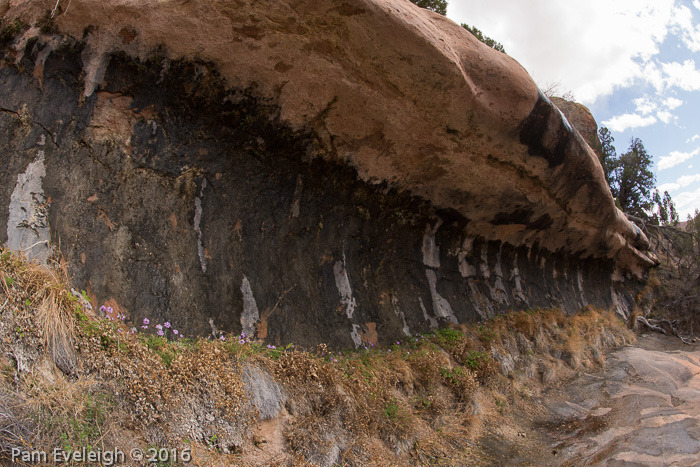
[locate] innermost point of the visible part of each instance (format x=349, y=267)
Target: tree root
x=663, y=326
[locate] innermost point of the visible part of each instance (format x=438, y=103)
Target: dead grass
x=421, y=402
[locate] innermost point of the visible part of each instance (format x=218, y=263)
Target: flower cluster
x=109, y=314
x=243, y=339
x=161, y=329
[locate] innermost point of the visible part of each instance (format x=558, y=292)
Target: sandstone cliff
x=307, y=171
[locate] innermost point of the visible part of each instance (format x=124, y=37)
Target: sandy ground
x=642, y=409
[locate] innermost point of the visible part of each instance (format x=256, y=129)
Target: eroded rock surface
x=644, y=410
x=309, y=171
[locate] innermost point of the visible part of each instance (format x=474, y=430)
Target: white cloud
x=629, y=121
x=590, y=47
x=683, y=75
x=644, y=105
x=687, y=202
x=696, y=4
x=665, y=116
x=675, y=158
x=694, y=137
x=672, y=103
x=668, y=187
x=652, y=75
x=686, y=180
x=689, y=33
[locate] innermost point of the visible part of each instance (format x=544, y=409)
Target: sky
x=634, y=63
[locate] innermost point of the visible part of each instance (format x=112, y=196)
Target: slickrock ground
x=642, y=410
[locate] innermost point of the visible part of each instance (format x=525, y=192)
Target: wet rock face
x=176, y=198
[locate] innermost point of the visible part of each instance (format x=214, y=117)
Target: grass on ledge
x=421, y=400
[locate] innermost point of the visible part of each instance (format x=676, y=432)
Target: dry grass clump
x=377, y=404
x=44, y=290
x=42, y=407
x=16, y=423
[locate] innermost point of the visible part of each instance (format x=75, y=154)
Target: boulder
x=582, y=120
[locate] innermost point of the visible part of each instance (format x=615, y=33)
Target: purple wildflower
x=146, y=321
x=159, y=327
x=103, y=309
x=223, y=338
x=109, y=309
x=166, y=324
x=176, y=332
x=160, y=333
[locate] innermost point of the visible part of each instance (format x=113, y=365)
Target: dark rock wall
x=175, y=199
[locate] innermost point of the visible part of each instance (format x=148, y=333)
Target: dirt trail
x=643, y=409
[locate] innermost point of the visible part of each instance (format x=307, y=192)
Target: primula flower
x=166, y=324
x=223, y=338
x=160, y=333
x=103, y=309
x=159, y=327
x=146, y=321
x=109, y=309
x=176, y=332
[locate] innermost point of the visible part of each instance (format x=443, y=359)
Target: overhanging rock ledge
x=518, y=213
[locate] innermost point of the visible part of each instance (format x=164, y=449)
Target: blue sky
x=634, y=63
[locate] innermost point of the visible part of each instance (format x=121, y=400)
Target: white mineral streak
x=441, y=307
x=197, y=228
x=250, y=314
x=342, y=282
x=28, y=220
x=431, y=252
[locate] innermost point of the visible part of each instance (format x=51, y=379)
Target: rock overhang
x=401, y=94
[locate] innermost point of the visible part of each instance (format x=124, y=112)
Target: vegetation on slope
x=239, y=401
x=670, y=300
